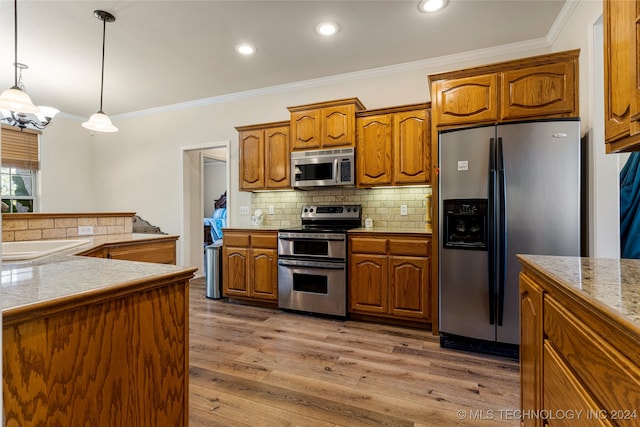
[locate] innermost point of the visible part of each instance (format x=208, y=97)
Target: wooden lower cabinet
x=161, y=250
x=250, y=265
x=574, y=360
x=389, y=276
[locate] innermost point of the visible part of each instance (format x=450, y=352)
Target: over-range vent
x=333, y=152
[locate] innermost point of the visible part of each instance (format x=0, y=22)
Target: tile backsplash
x=382, y=205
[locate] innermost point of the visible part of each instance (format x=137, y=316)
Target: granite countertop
x=613, y=284
x=63, y=275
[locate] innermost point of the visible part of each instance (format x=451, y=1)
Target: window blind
x=20, y=149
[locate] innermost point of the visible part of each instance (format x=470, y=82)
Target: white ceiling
x=160, y=53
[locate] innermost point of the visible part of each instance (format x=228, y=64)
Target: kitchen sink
x=13, y=251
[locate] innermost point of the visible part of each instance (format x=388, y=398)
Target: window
x=20, y=165
x=17, y=189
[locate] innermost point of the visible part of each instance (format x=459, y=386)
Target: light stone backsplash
x=382, y=205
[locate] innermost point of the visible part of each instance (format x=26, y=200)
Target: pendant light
x=99, y=121
x=15, y=99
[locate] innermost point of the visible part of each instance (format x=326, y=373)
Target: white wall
x=584, y=30
x=66, y=180
x=215, y=184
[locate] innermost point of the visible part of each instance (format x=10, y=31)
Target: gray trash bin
x=213, y=271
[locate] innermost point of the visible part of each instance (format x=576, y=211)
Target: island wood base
x=577, y=358
x=111, y=358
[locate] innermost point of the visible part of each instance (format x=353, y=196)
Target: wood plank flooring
x=253, y=366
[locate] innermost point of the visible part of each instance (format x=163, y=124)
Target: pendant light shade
x=15, y=99
x=100, y=122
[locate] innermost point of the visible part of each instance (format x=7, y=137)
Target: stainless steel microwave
x=323, y=168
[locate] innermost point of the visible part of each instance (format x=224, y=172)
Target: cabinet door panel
x=605, y=371
x=467, y=100
x=563, y=391
x=409, y=287
x=530, y=349
x=235, y=268
x=264, y=274
x=251, y=160
x=374, y=152
x=411, y=147
x=544, y=90
x=619, y=39
x=368, y=283
x=338, y=126
x=277, y=158
x=305, y=130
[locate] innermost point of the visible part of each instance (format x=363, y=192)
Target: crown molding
x=561, y=20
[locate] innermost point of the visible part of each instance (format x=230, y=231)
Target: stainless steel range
x=312, y=260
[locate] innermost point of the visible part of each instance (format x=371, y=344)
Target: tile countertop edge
x=118, y=289
x=553, y=268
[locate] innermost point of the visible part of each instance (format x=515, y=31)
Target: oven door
x=312, y=245
x=313, y=286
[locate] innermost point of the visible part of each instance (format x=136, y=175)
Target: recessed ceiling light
x=245, y=49
x=327, y=28
x=429, y=6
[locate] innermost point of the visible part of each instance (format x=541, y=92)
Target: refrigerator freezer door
x=542, y=176
x=463, y=285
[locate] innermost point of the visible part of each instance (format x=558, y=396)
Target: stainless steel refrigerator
x=503, y=190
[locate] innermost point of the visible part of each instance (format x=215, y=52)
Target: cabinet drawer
x=599, y=366
x=562, y=392
x=415, y=247
x=269, y=241
x=365, y=245
x=236, y=239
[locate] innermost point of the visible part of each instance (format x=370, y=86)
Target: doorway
x=197, y=185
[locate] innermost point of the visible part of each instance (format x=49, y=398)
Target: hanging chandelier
x=99, y=121
x=16, y=107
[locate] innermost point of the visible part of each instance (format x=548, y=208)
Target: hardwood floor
x=252, y=366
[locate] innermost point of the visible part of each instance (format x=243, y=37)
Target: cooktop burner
x=324, y=219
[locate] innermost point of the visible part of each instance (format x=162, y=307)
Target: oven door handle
x=329, y=239
x=312, y=264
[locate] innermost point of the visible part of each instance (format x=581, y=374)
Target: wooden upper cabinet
x=264, y=156
x=305, y=127
x=374, y=153
x=393, y=146
x=466, y=100
x=529, y=88
x=251, y=159
x=412, y=147
x=622, y=75
x=277, y=157
x=328, y=124
x=542, y=90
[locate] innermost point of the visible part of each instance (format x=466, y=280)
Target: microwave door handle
x=335, y=171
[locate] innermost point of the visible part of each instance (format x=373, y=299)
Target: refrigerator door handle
x=491, y=241
x=501, y=232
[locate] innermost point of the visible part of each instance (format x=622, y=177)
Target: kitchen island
x=580, y=340
x=92, y=341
